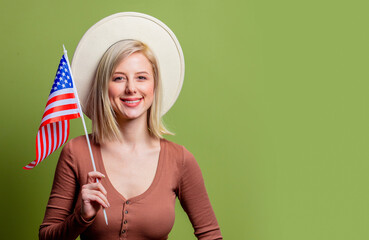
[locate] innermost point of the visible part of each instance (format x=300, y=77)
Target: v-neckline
x=148, y=190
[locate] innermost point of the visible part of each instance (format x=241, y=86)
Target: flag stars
x=63, y=78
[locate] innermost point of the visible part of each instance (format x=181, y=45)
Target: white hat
x=130, y=25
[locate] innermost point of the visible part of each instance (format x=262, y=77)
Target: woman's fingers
x=96, y=196
x=91, y=189
x=92, y=176
x=95, y=186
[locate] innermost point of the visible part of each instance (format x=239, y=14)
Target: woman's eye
x=142, y=78
x=118, y=79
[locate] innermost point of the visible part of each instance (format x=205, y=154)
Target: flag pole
x=83, y=121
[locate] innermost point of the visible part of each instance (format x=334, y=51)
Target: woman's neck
x=135, y=133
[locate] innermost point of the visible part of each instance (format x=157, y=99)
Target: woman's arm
x=195, y=201
x=62, y=220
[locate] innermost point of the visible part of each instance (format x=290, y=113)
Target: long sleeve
x=62, y=218
x=195, y=201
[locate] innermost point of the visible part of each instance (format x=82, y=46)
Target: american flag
x=61, y=106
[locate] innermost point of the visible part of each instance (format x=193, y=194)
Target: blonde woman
x=140, y=173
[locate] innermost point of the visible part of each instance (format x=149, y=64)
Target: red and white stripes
x=54, y=129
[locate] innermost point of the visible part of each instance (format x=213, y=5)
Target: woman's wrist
x=86, y=219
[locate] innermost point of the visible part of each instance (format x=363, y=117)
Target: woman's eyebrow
x=123, y=73
x=119, y=73
x=142, y=72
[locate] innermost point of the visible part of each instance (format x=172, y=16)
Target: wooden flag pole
x=83, y=121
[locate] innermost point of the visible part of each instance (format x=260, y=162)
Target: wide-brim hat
x=130, y=25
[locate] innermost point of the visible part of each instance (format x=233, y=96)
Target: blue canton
x=63, y=78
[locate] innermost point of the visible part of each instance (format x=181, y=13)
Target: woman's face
x=131, y=88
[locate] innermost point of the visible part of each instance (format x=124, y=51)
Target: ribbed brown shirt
x=149, y=215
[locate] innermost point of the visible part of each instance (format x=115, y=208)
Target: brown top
x=149, y=215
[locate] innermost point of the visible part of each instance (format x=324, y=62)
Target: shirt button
x=124, y=231
x=125, y=222
x=128, y=202
x=126, y=211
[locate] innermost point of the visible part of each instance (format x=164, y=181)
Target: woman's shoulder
x=77, y=148
x=184, y=165
x=76, y=143
x=80, y=140
x=178, y=152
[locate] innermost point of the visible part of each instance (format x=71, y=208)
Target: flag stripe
x=48, y=139
x=60, y=108
x=59, y=134
x=60, y=97
x=54, y=136
x=61, y=118
x=43, y=142
x=51, y=137
x=56, y=115
x=38, y=147
x=66, y=131
x=61, y=103
x=60, y=92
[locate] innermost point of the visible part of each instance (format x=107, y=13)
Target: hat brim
x=130, y=25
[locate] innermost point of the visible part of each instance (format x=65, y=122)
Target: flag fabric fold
x=61, y=106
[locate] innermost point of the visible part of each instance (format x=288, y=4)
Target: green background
x=274, y=107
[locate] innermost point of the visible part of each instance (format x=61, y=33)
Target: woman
x=140, y=174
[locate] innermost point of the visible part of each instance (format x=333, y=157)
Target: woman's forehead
x=136, y=63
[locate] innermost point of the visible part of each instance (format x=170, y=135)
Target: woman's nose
x=130, y=87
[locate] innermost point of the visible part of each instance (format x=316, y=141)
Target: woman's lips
x=131, y=102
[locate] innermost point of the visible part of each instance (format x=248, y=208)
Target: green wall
x=274, y=107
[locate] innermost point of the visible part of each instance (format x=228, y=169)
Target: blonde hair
x=104, y=123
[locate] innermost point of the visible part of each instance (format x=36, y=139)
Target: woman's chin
x=131, y=116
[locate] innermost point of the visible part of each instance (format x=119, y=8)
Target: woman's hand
x=93, y=196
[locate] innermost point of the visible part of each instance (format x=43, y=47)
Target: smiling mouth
x=131, y=102
x=134, y=101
